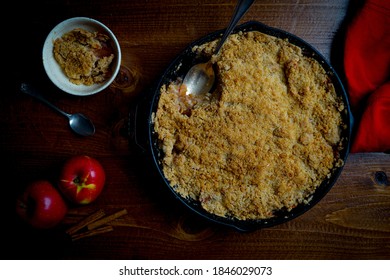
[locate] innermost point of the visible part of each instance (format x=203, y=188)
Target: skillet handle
x=138, y=124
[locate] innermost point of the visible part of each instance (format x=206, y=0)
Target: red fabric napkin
x=367, y=72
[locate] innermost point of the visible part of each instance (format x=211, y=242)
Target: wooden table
x=351, y=222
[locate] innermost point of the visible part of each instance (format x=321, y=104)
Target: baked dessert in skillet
x=263, y=140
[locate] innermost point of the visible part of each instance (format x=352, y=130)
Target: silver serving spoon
x=200, y=78
x=79, y=123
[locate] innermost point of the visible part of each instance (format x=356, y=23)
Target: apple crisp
x=264, y=139
x=84, y=56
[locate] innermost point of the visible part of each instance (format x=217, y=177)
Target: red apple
x=41, y=205
x=82, y=179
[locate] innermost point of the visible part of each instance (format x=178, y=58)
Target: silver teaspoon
x=79, y=123
x=200, y=78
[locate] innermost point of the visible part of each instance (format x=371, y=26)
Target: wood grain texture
x=351, y=222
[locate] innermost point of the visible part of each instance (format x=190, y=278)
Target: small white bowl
x=53, y=69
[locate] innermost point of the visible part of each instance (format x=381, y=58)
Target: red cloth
x=367, y=72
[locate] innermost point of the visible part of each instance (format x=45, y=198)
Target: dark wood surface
x=351, y=222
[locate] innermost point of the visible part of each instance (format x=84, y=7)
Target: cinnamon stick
x=107, y=219
x=92, y=232
x=85, y=222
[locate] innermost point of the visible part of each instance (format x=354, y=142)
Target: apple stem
x=22, y=204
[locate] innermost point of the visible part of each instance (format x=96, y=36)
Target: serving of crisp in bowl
x=267, y=143
x=81, y=56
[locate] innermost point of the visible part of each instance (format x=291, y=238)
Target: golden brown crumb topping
x=264, y=140
x=84, y=56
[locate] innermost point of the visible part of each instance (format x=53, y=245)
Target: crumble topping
x=84, y=56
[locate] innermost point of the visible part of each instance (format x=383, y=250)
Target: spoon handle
x=28, y=89
x=241, y=8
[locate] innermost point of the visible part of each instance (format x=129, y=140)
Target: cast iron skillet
x=142, y=130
